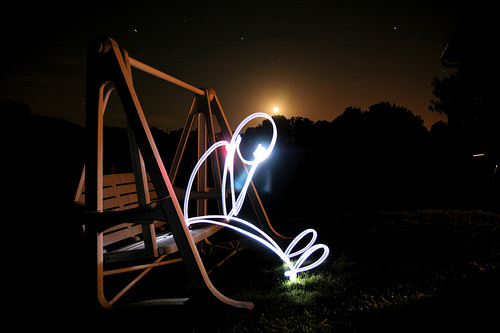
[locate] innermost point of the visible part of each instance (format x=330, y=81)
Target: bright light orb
x=260, y=153
x=250, y=230
x=275, y=110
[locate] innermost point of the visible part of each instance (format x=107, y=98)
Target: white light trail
x=260, y=154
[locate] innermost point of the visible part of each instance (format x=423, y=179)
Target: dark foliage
x=380, y=158
x=383, y=157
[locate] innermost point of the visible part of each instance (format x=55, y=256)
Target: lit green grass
x=385, y=269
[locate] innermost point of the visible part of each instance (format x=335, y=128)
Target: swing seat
x=126, y=215
x=123, y=221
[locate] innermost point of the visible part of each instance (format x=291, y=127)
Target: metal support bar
x=209, y=107
x=202, y=174
x=141, y=184
x=159, y=74
x=133, y=282
x=157, y=263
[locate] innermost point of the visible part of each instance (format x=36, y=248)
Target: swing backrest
x=119, y=193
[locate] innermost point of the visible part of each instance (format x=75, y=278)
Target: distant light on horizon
x=275, y=110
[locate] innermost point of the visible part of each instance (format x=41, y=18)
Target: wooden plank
x=125, y=189
x=118, y=178
x=120, y=193
x=128, y=200
x=127, y=232
x=153, y=196
x=167, y=243
x=111, y=203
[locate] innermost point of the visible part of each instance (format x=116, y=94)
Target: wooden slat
x=109, y=191
x=127, y=200
x=167, y=243
x=125, y=188
x=120, y=193
x=128, y=232
x=118, y=178
x=111, y=203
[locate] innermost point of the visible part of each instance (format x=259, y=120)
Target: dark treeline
x=380, y=158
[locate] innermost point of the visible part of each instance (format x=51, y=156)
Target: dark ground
x=393, y=271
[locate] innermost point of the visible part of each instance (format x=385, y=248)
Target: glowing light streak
x=260, y=154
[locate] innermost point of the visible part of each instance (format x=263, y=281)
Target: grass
x=406, y=270
x=398, y=271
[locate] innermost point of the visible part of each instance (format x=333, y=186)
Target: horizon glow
x=260, y=154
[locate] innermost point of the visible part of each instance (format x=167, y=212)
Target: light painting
x=229, y=217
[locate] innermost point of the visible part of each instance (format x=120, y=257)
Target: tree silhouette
x=12, y=109
x=302, y=131
x=361, y=158
x=447, y=92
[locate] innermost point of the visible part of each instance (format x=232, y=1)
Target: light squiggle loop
x=260, y=154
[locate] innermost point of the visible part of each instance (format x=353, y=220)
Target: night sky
x=308, y=58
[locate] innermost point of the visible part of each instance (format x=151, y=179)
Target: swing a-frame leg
x=108, y=63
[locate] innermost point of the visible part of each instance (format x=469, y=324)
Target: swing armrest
x=146, y=214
